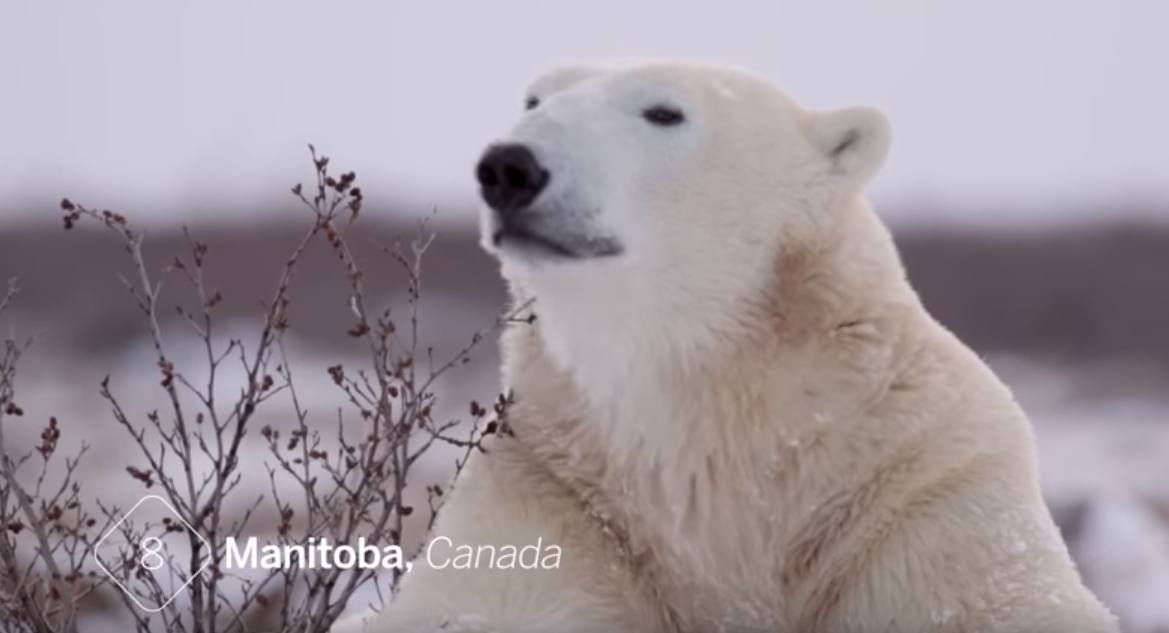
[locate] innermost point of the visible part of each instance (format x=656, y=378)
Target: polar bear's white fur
x=732, y=412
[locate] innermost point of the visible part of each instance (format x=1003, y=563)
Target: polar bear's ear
x=856, y=140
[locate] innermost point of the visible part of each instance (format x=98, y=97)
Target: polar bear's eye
x=663, y=115
x=531, y=102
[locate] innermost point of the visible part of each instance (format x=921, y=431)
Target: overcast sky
x=148, y=105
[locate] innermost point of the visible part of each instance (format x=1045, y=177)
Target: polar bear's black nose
x=510, y=177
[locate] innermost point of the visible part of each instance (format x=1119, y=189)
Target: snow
x=1124, y=552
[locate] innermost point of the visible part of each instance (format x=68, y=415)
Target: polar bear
x=731, y=411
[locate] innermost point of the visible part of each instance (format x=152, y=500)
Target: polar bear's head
x=665, y=186
x=642, y=165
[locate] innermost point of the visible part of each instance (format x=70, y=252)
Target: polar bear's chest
x=720, y=590
x=699, y=513
x=700, y=546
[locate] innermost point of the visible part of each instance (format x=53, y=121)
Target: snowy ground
x=1104, y=455
x=1104, y=461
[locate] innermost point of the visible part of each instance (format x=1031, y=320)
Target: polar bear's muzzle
x=510, y=177
x=511, y=181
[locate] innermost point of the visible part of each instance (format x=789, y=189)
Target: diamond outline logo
x=112, y=530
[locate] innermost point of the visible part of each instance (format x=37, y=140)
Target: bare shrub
x=47, y=534
x=349, y=470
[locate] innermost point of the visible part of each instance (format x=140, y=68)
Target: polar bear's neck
x=657, y=357
x=637, y=349
x=621, y=334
